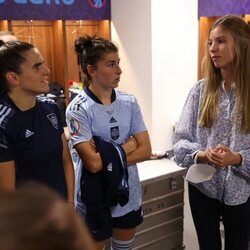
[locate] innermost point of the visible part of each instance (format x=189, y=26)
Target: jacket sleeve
x=185, y=143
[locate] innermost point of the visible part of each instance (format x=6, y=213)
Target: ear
x=12, y=78
x=91, y=70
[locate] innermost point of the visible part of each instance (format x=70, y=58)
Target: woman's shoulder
x=198, y=88
x=80, y=102
x=199, y=85
x=123, y=96
x=47, y=104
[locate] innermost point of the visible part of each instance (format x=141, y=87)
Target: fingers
x=221, y=148
x=220, y=156
x=92, y=144
x=215, y=157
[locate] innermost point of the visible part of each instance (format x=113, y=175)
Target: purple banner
x=210, y=8
x=55, y=9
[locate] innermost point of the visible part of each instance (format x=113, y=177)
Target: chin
x=44, y=91
x=115, y=85
x=217, y=66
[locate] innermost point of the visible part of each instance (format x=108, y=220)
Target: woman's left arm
x=143, y=149
x=68, y=170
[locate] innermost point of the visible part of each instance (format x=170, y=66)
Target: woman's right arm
x=185, y=144
x=81, y=136
x=90, y=157
x=7, y=175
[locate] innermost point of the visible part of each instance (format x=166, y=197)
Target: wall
x=131, y=30
x=175, y=55
x=158, y=42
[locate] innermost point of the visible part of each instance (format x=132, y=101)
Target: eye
x=221, y=41
x=38, y=66
x=111, y=65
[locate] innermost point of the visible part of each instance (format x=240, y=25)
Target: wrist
x=201, y=157
x=237, y=158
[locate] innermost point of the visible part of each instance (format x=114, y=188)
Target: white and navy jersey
x=32, y=139
x=87, y=117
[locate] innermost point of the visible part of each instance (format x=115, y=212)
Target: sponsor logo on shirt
x=110, y=167
x=53, y=119
x=28, y=133
x=112, y=120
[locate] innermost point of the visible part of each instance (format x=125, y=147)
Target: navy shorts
x=101, y=225
x=129, y=220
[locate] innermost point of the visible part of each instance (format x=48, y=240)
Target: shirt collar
x=95, y=98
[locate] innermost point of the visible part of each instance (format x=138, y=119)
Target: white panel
x=158, y=42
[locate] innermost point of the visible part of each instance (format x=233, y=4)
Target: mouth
x=45, y=81
x=214, y=58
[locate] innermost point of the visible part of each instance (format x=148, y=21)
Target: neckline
x=96, y=99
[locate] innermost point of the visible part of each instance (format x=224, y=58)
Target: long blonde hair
x=240, y=33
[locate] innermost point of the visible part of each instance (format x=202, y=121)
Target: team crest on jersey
x=74, y=127
x=114, y=133
x=53, y=119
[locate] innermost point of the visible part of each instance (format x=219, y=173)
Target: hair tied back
x=82, y=44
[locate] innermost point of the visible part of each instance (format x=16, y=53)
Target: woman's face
x=34, y=74
x=221, y=48
x=107, y=71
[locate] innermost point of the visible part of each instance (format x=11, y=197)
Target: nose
x=119, y=70
x=213, y=47
x=46, y=70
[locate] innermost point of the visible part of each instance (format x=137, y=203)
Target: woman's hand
x=130, y=145
x=220, y=156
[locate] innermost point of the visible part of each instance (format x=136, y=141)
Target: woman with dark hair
x=32, y=142
x=101, y=110
x=214, y=134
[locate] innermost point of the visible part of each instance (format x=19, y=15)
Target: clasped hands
x=219, y=156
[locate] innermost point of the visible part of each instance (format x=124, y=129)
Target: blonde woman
x=214, y=129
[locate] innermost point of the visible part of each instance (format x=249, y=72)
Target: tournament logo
x=74, y=127
x=53, y=119
x=97, y=3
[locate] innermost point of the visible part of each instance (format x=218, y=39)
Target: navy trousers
x=207, y=214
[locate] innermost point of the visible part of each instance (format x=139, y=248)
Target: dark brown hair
x=12, y=56
x=90, y=50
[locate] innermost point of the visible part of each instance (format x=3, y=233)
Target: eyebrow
x=218, y=37
x=36, y=65
x=112, y=61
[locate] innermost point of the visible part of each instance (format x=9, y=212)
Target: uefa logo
x=97, y=3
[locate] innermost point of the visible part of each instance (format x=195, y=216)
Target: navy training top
x=32, y=139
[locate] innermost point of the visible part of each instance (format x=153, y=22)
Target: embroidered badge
x=53, y=119
x=114, y=132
